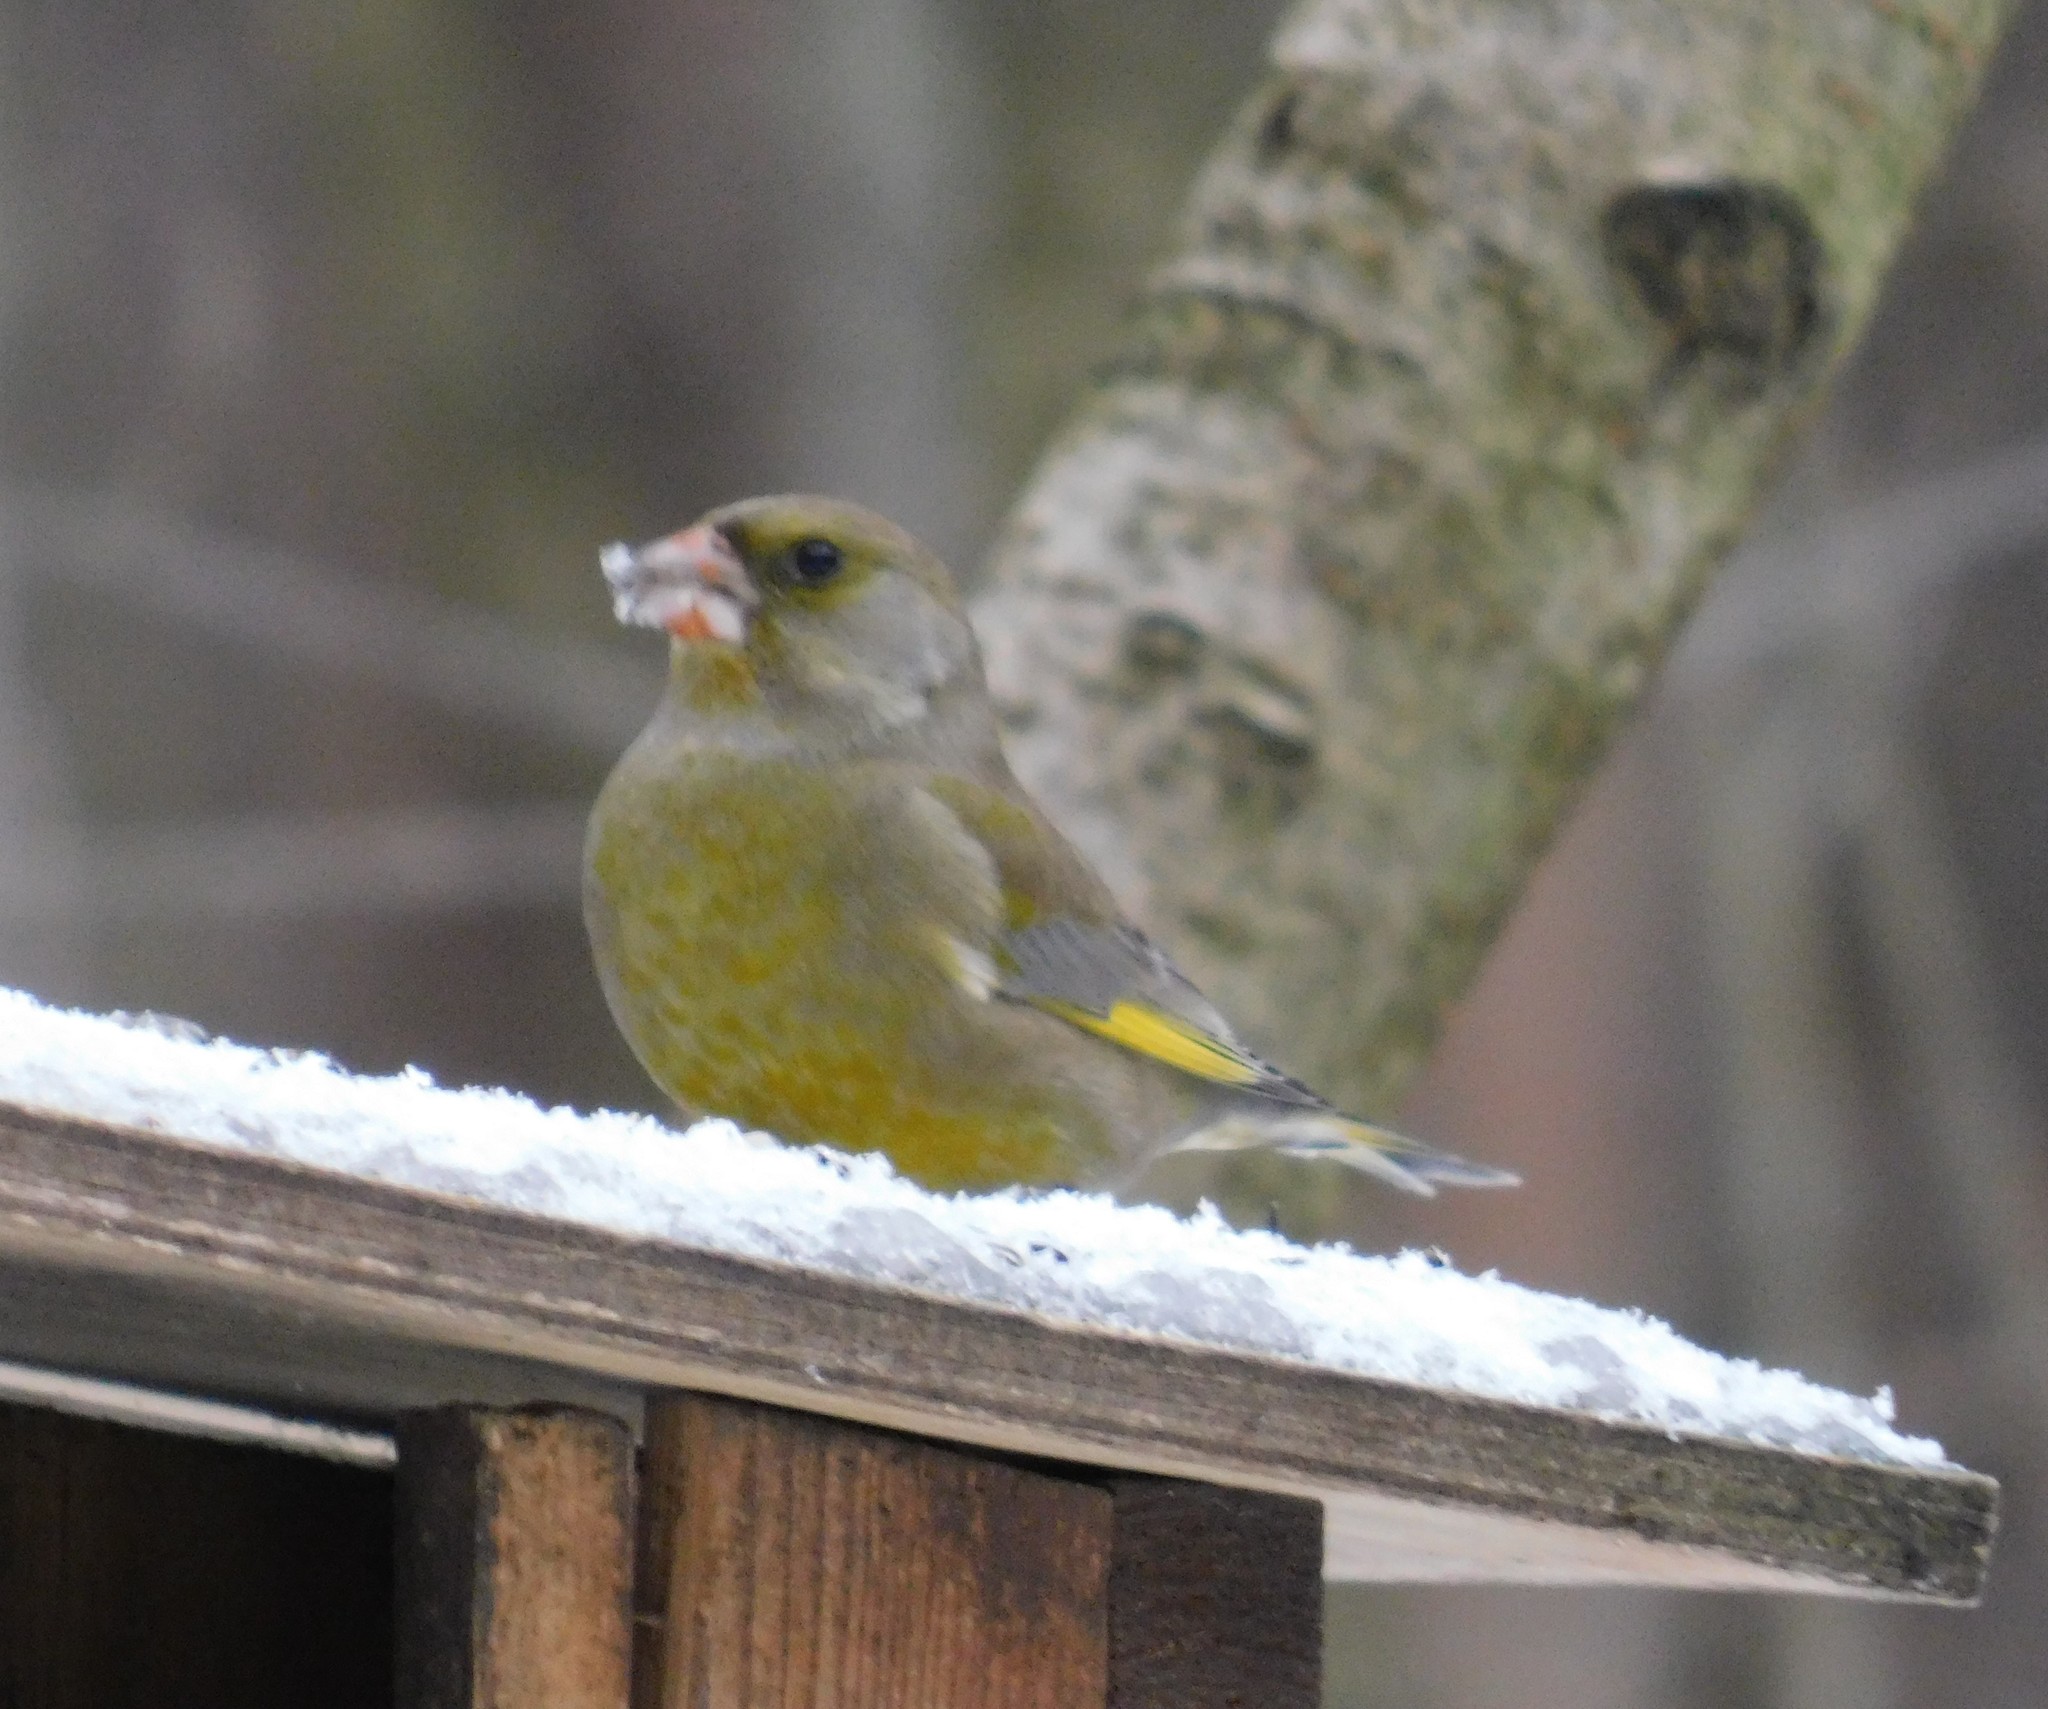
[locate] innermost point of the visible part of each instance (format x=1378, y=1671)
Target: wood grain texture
x=514, y=1559
x=267, y=1347
x=145, y=1571
x=1417, y=1483
x=794, y=1560
x=1215, y=1598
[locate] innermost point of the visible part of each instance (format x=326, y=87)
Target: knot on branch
x=1277, y=127
x=1162, y=643
x=1210, y=705
x=1729, y=267
x=1265, y=744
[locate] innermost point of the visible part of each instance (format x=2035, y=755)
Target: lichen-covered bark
x=1489, y=321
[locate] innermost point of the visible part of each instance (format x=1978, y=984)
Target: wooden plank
x=140, y=1571
x=1417, y=1484
x=1215, y=1598
x=264, y=1345
x=795, y=1559
x=514, y=1559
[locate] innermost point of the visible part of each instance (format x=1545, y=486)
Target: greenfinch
x=821, y=905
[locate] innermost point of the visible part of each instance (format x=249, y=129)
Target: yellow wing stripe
x=1163, y=1037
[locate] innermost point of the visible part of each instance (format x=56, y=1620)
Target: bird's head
x=807, y=604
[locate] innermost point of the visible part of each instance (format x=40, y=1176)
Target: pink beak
x=690, y=583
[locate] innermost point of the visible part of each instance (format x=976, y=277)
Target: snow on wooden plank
x=1418, y=1482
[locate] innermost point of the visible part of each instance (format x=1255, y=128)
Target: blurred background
x=333, y=340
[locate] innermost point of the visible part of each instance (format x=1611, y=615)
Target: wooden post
x=1215, y=1598
x=793, y=1559
x=514, y=1559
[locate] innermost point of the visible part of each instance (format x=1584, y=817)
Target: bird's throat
x=708, y=677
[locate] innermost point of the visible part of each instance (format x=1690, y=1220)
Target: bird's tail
x=1392, y=1157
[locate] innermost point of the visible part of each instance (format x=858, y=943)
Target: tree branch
x=1487, y=326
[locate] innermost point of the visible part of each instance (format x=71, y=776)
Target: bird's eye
x=815, y=562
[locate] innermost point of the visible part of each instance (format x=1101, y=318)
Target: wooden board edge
x=94, y=1195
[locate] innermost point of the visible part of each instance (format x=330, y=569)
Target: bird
x=821, y=905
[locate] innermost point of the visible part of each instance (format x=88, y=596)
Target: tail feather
x=1380, y=1152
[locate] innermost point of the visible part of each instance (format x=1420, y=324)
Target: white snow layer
x=1079, y=1258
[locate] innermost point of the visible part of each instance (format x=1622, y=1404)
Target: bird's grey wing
x=1113, y=981
x=1066, y=949
x=1067, y=952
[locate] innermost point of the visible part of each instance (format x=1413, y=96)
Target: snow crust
x=1078, y=1258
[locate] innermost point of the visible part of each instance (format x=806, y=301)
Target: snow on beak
x=690, y=583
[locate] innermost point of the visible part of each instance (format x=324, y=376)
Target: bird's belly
x=754, y=982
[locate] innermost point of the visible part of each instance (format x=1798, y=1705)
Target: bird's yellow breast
x=770, y=948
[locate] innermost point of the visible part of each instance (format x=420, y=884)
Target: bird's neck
x=715, y=700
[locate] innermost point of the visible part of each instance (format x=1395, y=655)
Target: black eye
x=815, y=562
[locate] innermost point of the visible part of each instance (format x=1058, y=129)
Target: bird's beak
x=690, y=583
